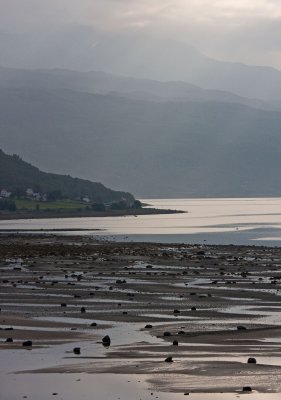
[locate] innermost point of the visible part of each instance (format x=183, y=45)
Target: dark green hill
x=17, y=176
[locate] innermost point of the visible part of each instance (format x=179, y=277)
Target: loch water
x=239, y=221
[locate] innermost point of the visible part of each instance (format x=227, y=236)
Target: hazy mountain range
x=155, y=139
x=138, y=56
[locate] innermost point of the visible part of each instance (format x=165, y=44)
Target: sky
x=246, y=31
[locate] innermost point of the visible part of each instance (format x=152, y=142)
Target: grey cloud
x=236, y=31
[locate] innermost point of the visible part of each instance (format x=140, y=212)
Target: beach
x=182, y=319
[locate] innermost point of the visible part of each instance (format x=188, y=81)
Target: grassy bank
x=32, y=205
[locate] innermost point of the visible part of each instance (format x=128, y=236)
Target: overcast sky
x=236, y=30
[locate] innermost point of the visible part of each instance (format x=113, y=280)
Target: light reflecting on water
x=213, y=221
x=103, y=387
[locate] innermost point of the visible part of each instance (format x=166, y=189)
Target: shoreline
x=220, y=303
x=16, y=215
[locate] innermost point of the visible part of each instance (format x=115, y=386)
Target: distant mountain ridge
x=140, y=56
x=155, y=149
x=104, y=83
x=17, y=176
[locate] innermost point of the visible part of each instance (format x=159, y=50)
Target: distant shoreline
x=25, y=214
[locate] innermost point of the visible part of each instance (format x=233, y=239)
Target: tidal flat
x=197, y=320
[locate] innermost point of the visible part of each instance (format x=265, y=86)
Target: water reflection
x=213, y=221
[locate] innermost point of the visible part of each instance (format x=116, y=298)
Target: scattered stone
x=167, y=333
x=76, y=350
x=252, y=360
x=176, y=311
x=9, y=340
x=193, y=308
x=148, y=326
x=241, y=328
x=27, y=343
x=247, y=389
x=106, y=340
x=175, y=343
x=83, y=309
x=93, y=324
x=169, y=359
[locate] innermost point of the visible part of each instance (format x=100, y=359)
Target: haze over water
x=245, y=221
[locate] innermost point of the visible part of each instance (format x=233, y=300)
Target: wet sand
x=220, y=303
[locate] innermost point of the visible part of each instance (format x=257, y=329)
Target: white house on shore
x=5, y=194
x=35, y=196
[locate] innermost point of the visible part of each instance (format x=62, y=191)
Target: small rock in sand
x=27, y=343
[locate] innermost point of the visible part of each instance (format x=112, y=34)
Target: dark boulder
x=241, y=328
x=27, y=343
x=76, y=350
x=106, y=340
x=247, y=389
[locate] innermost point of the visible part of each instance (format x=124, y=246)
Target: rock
x=193, y=308
x=76, y=350
x=252, y=360
x=93, y=324
x=148, y=326
x=167, y=334
x=247, y=389
x=169, y=359
x=181, y=332
x=175, y=343
x=63, y=305
x=241, y=328
x=27, y=343
x=83, y=309
x=176, y=311
x=9, y=340
x=106, y=340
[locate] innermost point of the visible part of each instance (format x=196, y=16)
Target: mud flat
x=182, y=319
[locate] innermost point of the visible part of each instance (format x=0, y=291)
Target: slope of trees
x=17, y=175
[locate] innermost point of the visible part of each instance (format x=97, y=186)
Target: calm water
x=212, y=221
